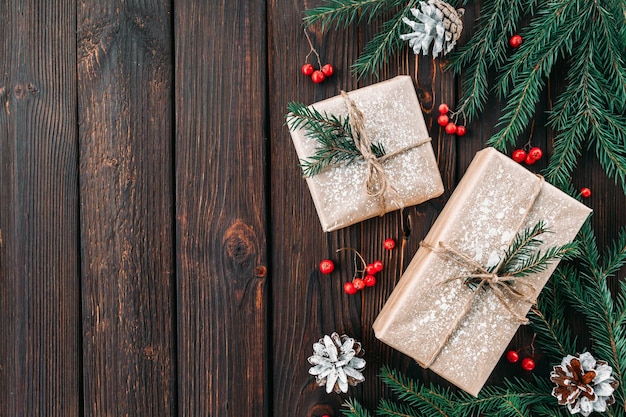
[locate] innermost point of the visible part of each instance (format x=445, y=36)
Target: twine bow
x=505, y=287
x=377, y=182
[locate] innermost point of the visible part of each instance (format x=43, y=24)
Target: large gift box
x=392, y=118
x=433, y=316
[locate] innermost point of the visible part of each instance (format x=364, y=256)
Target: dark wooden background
x=158, y=247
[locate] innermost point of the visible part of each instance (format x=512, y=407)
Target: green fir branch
x=333, y=134
x=547, y=320
x=387, y=42
x=486, y=49
x=522, y=257
x=389, y=408
x=343, y=13
x=431, y=401
x=352, y=408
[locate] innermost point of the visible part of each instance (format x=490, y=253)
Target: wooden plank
x=306, y=305
x=126, y=189
x=220, y=209
x=39, y=248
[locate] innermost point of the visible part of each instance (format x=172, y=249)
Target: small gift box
x=385, y=159
x=459, y=302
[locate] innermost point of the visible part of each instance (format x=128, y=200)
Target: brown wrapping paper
x=490, y=205
x=394, y=118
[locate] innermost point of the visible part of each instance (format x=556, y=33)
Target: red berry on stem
x=369, y=280
x=585, y=192
x=512, y=356
x=519, y=155
x=358, y=283
x=389, y=243
x=317, y=76
x=528, y=364
x=442, y=120
x=307, y=69
x=349, y=288
x=461, y=130
x=450, y=128
x=515, y=41
x=529, y=160
x=443, y=108
x=378, y=265
x=327, y=266
x=536, y=153
x=328, y=70
x=370, y=269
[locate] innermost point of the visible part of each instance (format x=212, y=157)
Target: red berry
x=327, y=266
x=358, y=283
x=450, y=128
x=585, y=192
x=442, y=120
x=389, y=243
x=528, y=364
x=515, y=41
x=369, y=280
x=529, y=160
x=536, y=153
x=443, y=108
x=349, y=288
x=461, y=130
x=370, y=269
x=328, y=70
x=519, y=155
x=317, y=76
x=512, y=356
x=378, y=266
x=307, y=69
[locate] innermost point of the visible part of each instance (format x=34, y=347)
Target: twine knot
x=377, y=182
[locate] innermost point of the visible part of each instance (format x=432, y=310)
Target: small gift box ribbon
x=506, y=279
x=377, y=182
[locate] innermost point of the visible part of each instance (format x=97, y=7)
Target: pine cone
x=438, y=22
x=583, y=384
x=337, y=362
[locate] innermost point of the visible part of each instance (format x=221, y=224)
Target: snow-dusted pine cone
x=437, y=23
x=337, y=362
x=583, y=384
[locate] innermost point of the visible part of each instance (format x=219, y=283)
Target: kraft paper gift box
x=437, y=319
x=393, y=117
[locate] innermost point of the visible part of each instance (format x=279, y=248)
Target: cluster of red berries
x=444, y=121
x=363, y=278
x=528, y=363
x=533, y=155
x=319, y=75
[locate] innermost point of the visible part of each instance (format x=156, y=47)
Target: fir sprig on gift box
x=590, y=35
x=583, y=287
x=333, y=134
x=522, y=257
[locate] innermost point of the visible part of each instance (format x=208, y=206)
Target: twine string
x=377, y=182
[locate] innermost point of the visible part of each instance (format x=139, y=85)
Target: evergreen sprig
x=333, y=134
x=522, y=257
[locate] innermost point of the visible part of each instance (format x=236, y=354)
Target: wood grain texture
x=39, y=246
x=221, y=217
x=306, y=305
x=126, y=189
